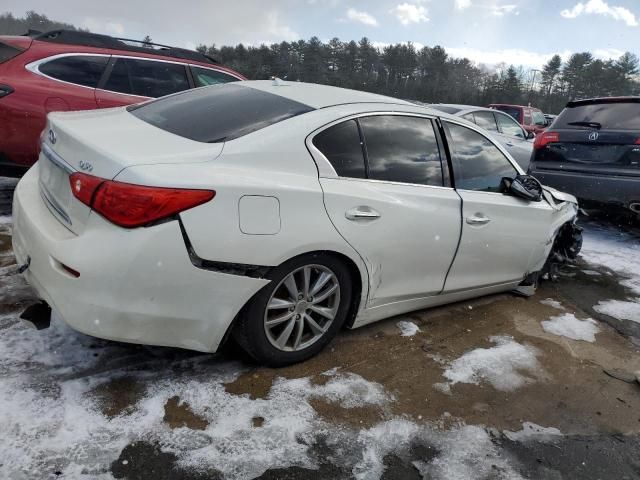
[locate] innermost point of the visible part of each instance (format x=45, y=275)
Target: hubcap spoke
x=324, y=311
x=292, y=287
x=320, y=282
x=317, y=329
x=278, y=303
x=278, y=320
x=326, y=294
x=307, y=278
x=282, y=339
x=299, y=330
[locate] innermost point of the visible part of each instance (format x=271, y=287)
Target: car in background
x=531, y=118
x=549, y=118
x=501, y=126
x=309, y=209
x=593, y=152
x=66, y=70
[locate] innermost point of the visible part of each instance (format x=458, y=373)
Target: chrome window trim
x=34, y=67
x=326, y=170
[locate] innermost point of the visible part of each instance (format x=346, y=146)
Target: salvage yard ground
x=501, y=387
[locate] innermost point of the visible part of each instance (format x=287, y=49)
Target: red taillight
x=129, y=205
x=637, y=141
x=544, y=138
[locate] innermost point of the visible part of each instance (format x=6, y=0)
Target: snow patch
x=552, y=303
x=567, y=325
x=532, y=432
x=503, y=366
x=407, y=328
x=620, y=309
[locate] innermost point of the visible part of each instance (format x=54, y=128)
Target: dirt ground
x=138, y=397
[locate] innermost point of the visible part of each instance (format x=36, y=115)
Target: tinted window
x=205, y=76
x=445, y=109
x=478, y=164
x=341, y=145
x=218, y=113
x=146, y=78
x=612, y=116
x=509, y=126
x=513, y=111
x=486, y=121
x=402, y=149
x=81, y=70
x=7, y=52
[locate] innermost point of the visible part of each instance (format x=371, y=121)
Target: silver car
x=502, y=127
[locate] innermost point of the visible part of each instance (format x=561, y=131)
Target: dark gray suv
x=592, y=150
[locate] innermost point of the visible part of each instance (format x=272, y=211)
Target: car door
x=391, y=201
x=134, y=80
x=499, y=232
x=514, y=137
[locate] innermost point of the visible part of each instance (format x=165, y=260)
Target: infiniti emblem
x=593, y=136
x=53, y=138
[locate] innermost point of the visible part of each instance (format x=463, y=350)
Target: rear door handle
x=362, y=213
x=478, y=219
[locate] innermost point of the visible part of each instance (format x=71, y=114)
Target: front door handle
x=509, y=144
x=478, y=219
x=362, y=213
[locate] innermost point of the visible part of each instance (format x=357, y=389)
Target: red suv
x=532, y=119
x=67, y=70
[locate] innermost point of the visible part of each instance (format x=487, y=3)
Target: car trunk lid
x=103, y=143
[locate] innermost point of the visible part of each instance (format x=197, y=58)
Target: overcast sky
x=523, y=32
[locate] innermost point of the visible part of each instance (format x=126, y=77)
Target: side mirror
x=523, y=186
x=531, y=135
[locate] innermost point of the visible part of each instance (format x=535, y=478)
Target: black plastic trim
x=229, y=268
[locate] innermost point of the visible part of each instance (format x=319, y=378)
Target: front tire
x=294, y=317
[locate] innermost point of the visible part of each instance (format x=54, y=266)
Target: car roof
x=593, y=101
x=320, y=96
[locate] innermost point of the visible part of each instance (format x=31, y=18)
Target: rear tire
x=298, y=313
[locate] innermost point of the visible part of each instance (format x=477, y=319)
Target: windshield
x=611, y=116
x=218, y=113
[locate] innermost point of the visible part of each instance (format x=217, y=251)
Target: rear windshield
x=611, y=116
x=513, y=111
x=7, y=52
x=218, y=113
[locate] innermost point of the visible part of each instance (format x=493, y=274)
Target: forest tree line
x=427, y=74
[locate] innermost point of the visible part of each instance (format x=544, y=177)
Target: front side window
x=82, y=69
x=509, y=126
x=402, y=149
x=486, y=121
x=478, y=164
x=206, y=76
x=515, y=112
x=538, y=118
x=146, y=78
x=342, y=146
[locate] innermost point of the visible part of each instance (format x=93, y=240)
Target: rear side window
x=478, y=164
x=206, y=76
x=218, y=113
x=342, y=147
x=7, y=52
x=82, y=69
x=513, y=111
x=538, y=118
x=611, y=116
x=509, y=126
x=146, y=78
x=402, y=149
x=486, y=120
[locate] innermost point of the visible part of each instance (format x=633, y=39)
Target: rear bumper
x=603, y=189
x=135, y=286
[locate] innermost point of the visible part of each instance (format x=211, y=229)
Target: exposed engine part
x=565, y=249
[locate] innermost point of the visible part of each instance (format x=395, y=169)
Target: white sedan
x=275, y=212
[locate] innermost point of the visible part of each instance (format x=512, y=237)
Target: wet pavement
x=483, y=389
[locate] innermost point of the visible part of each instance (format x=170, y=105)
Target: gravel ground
x=501, y=387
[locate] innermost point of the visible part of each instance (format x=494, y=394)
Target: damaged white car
x=277, y=213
